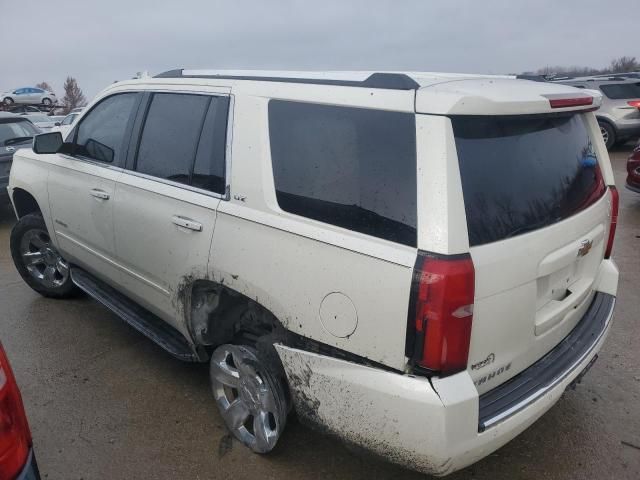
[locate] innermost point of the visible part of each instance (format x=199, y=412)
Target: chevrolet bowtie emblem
x=585, y=247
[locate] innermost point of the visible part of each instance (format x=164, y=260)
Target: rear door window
x=170, y=136
x=184, y=140
x=522, y=173
x=350, y=167
x=620, y=91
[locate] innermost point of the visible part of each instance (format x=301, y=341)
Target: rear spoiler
x=503, y=97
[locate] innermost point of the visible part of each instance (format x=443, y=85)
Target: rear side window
x=101, y=134
x=620, y=91
x=522, y=173
x=350, y=167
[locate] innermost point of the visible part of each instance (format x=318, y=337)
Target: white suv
x=418, y=264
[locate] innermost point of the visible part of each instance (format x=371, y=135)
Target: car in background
x=24, y=109
x=633, y=170
x=619, y=115
x=44, y=122
x=620, y=75
x=66, y=124
x=29, y=95
x=17, y=460
x=16, y=131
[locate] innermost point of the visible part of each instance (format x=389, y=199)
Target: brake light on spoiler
x=571, y=102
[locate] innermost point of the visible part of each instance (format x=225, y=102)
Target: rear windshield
x=524, y=173
x=619, y=91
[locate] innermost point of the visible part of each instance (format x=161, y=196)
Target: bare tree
x=73, y=96
x=44, y=86
x=624, y=64
x=617, y=65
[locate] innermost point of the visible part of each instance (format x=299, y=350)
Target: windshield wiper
x=13, y=141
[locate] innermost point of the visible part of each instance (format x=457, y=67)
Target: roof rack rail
x=389, y=81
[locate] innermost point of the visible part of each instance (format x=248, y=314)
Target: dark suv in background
x=619, y=115
x=16, y=132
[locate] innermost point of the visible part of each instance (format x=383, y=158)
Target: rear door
x=538, y=217
x=82, y=185
x=166, y=200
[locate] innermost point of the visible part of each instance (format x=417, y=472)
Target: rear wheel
x=8, y=101
x=608, y=134
x=39, y=263
x=250, y=396
x=46, y=102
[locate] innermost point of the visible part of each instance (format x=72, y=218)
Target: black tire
x=608, y=134
x=52, y=285
x=46, y=102
x=8, y=101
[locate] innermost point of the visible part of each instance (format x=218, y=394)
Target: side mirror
x=47, y=142
x=57, y=124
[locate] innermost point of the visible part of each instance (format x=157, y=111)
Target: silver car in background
x=65, y=126
x=619, y=115
x=29, y=95
x=44, y=122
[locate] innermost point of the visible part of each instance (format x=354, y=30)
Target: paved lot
x=105, y=403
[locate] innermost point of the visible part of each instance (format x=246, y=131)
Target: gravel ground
x=106, y=403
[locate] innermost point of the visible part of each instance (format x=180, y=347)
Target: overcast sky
x=101, y=41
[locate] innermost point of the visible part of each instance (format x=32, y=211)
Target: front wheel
x=608, y=134
x=8, y=101
x=251, y=397
x=37, y=260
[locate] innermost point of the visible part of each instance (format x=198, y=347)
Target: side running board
x=138, y=317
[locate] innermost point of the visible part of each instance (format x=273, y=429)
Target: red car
x=633, y=170
x=17, y=461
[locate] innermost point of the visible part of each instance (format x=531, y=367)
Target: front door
x=166, y=200
x=82, y=186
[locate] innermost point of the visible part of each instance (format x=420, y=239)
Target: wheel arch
x=608, y=122
x=24, y=203
x=217, y=313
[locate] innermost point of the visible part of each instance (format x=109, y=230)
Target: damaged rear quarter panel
x=393, y=416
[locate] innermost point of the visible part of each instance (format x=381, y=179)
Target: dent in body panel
x=339, y=398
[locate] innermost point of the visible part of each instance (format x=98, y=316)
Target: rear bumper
x=628, y=128
x=431, y=426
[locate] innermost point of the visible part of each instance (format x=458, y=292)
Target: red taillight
x=441, y=312
x=15, y=437
x=615, y=201
x=634, y=103
x=570, y=102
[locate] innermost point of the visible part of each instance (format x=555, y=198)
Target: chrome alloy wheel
x=42, y=260
x=248, y=397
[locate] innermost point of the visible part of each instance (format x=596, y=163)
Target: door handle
x=101, y=194
x=186, y=223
